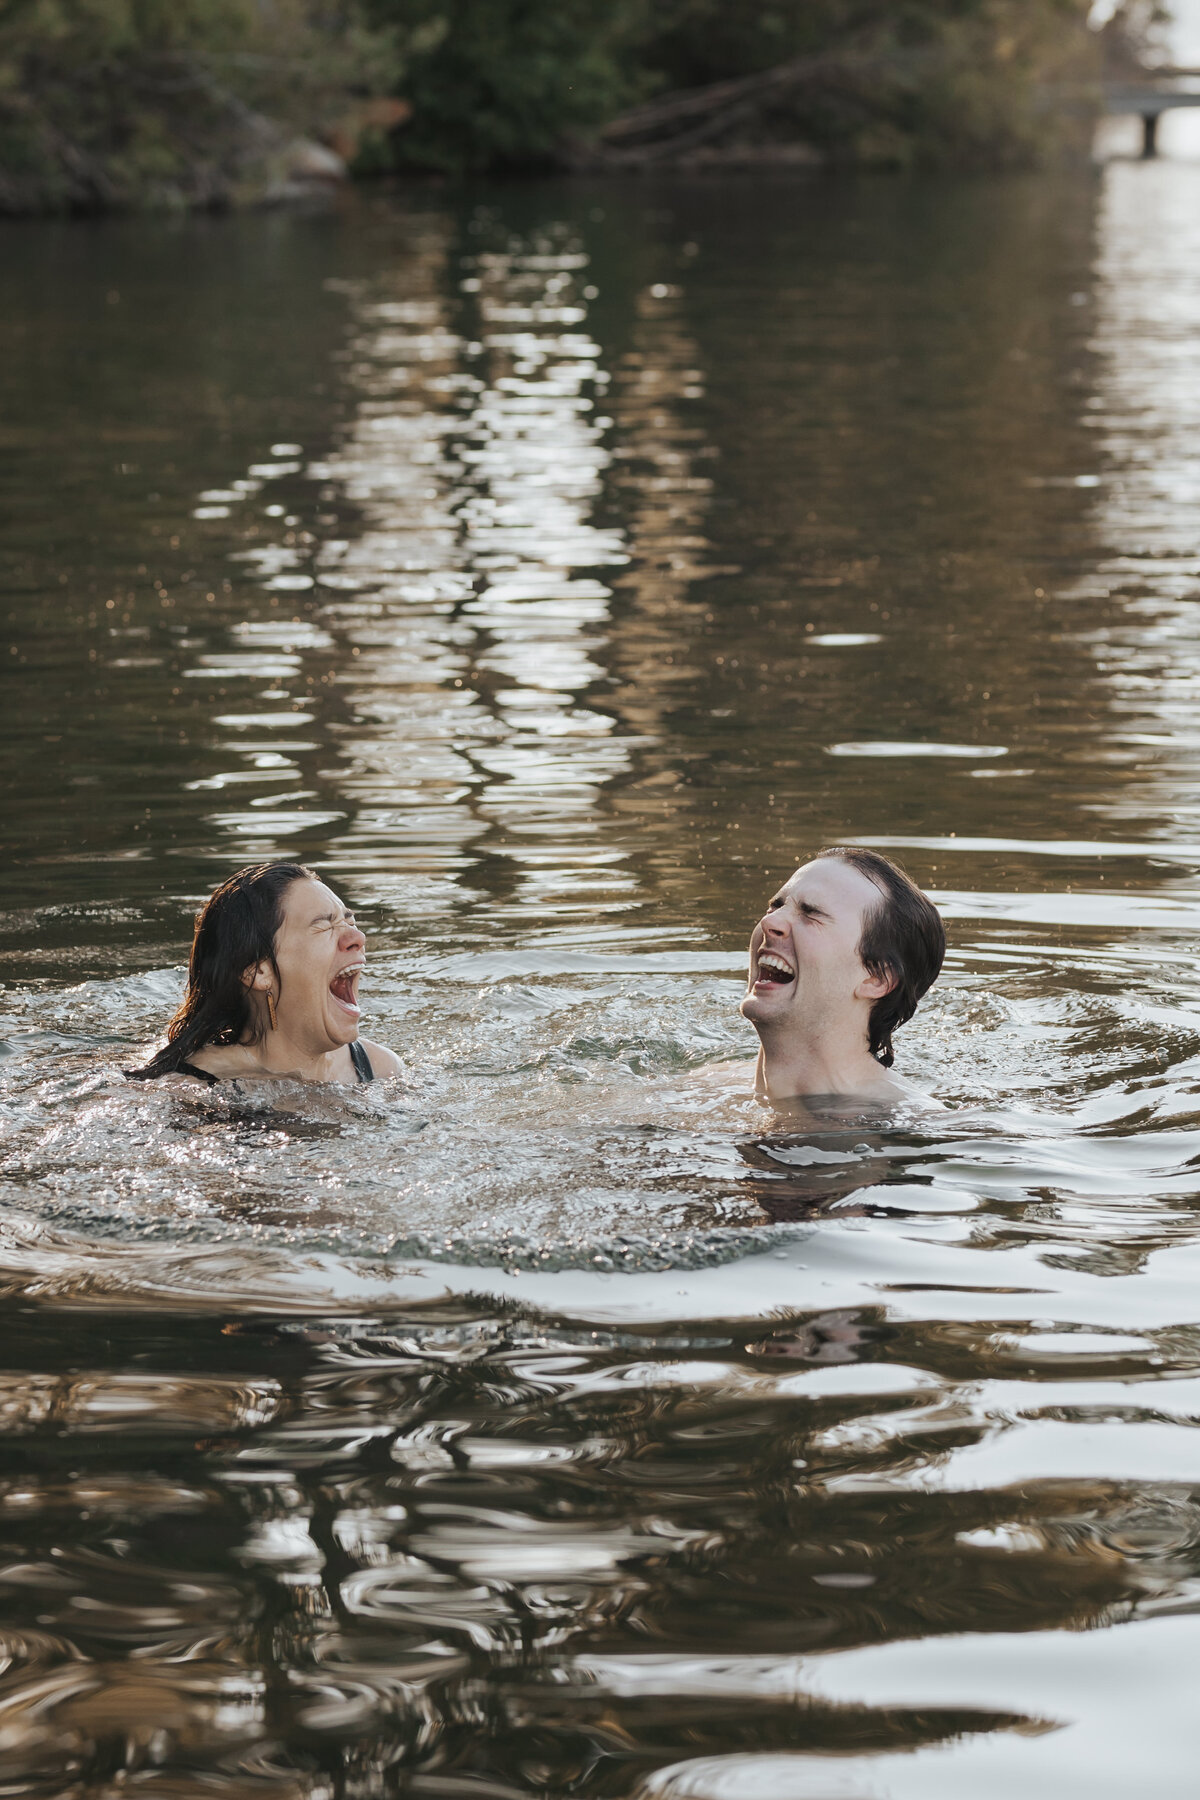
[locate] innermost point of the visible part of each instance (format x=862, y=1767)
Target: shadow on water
x=554, y=566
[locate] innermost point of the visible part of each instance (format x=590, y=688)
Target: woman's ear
x=257, y=975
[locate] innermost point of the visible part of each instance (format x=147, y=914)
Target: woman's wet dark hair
x=235, y=928
x=902, y=937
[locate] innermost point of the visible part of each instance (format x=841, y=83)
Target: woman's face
x=320, y=953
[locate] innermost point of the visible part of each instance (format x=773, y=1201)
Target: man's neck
x=825, y=1066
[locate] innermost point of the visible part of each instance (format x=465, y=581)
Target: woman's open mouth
x=773, y=970
x=344, y=987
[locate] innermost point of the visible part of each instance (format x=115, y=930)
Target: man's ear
x=876, y=983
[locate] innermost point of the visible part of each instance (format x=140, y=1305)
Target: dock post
x=1149, y=135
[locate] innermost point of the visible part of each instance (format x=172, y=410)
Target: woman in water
x=272, y=986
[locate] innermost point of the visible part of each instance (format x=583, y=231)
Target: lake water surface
x=554, y=567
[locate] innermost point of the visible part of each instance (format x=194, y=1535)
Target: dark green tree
x=109, y=103
x=498, y=84
x=504, y=83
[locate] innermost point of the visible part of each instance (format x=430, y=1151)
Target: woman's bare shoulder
x=384, y=1062
x=223, y=1060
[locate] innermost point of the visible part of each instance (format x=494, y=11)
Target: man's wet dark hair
x=235, y=929
x=903, y=936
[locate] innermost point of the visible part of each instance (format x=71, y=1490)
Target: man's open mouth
x=344, y=986
x=776, y=969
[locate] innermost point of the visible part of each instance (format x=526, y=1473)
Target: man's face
x=804, y=961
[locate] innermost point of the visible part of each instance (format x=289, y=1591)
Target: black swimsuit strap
x=361, y=1061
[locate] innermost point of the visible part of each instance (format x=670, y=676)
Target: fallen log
x=858, y=86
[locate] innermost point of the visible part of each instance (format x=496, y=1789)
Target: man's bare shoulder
x=907, y=1093
x=886, y=1101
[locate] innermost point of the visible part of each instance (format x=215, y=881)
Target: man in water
x=840, y=958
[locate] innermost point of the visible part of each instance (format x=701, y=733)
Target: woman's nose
x=352, y=938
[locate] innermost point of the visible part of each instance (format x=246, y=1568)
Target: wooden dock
x=1149, y=101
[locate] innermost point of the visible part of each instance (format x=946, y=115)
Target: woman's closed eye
x=335, y=922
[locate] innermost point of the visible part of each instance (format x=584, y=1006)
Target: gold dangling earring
x=271, y=1014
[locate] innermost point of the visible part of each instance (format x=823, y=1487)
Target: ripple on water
x=549, y=1123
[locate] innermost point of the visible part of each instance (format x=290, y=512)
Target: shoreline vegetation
x=171, y=105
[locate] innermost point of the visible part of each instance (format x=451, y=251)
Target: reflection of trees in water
x=896, y=387
x=1147, y=413
x=434, y=1548
x=470, y=607
x=486, y=516
x=660, y=483
x=894, y=400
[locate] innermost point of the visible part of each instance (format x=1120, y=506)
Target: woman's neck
x=276, y=1053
